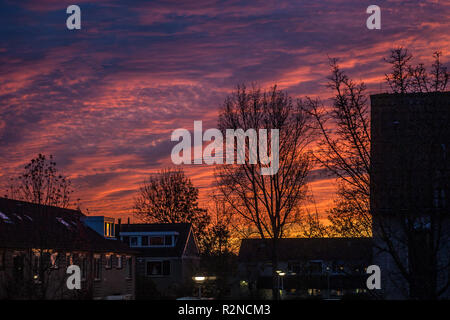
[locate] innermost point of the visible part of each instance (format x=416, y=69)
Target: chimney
x=119, y=223
x=128, y=220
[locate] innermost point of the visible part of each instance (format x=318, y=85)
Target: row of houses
x=38, y=243
x=410, y=166
x=154, y=261
x=125, y=261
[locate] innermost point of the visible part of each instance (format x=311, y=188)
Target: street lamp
x=281, y=274
x=199, y=280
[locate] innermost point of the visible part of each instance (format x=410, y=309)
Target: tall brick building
x=410, y=165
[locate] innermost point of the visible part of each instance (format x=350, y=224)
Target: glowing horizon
x=105, y=99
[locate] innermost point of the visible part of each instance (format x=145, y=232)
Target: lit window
x=69, y=259
x=54, y=260
x=119, y=262
x=314, y=292
x=109, y=229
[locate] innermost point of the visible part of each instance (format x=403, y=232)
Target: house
x=167, y=257
x=307, y=267
x=38, y=243
x=410, y=185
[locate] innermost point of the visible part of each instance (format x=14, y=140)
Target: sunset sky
x=105, y=99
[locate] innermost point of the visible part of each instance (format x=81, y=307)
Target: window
x=129, y=267
x=157, y=241
x=108, y=263
x=168, y=240
x=150, y=240
x=158, y=268
x=133, y=241
x=83, y=267
x=109, y=229
x=119, y=262
x=97, y=267
x=69, y=259
x=54, y=260
x=314, y=292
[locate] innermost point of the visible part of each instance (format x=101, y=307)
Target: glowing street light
x=199, y=278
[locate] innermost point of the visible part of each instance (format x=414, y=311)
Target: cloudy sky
x=105, y=99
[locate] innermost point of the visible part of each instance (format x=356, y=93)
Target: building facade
x=167, y=258
x=326, y=268
x=410, y=166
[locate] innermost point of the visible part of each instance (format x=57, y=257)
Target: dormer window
x=133, y=241
x=149, y=239
x=157, y=241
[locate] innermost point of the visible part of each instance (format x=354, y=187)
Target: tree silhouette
x=41, y=183
x=267, y=203
x=344, y=149
x=170, y=197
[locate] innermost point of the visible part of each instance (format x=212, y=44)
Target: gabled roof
x=259, y=250
x=184, y=231
x=27, y=225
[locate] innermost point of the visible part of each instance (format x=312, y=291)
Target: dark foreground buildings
x=167, y=258
x=410, y=165
x=326, y=268
x=38, y=243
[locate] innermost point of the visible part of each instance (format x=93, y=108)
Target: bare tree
x=399, y=79
x=170, y=197
x=344, y=150
x=311, y=227
x=405, y=77
x=268, y=203
x=41, y=183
